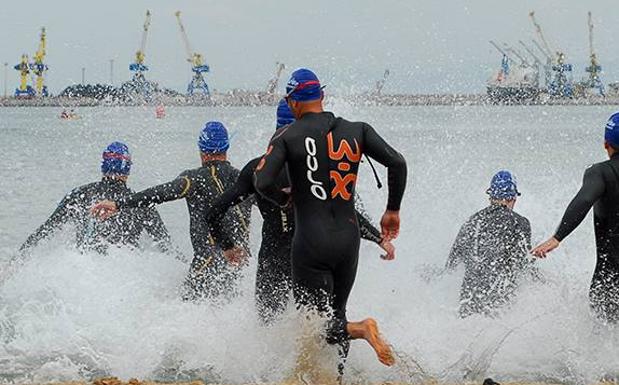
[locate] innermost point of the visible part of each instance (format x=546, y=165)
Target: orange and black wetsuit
x=210, y=275
x=274, y=273
x=322, y=154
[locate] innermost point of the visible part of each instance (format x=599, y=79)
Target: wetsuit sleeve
x=376, y=148
x=166, y=192
x=267, y=171
x=462, y=246
x=60, y=216
x=367, y=230
x=239, y=192
x=592, y=189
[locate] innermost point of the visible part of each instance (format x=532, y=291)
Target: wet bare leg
x=368, y=330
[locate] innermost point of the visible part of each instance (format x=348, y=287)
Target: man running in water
x=274, y=273
x=124, y=229
x=210, y=274
x=493, y=245
x=600, y=190
x=322, y=154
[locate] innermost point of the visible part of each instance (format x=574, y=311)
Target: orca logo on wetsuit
x=344, y=150
x=312, y=166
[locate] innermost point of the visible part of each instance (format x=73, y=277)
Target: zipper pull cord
x=379, y=184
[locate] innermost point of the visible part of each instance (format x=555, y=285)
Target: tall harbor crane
x=547, y=66
x=594, y=69
x=24, y=89
x=272, y=86
x=505, y=62
x=560, y=84
x=39, y=67
x=380, y=84
x=198, y=66
x=139, y=67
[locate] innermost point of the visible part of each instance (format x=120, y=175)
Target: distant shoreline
x=251, y=99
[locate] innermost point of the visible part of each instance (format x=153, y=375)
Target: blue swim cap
x=284, y=115
x=503, y=186
x=116, y=159
x=214, y=138
x=611, y=134
x=303, y=86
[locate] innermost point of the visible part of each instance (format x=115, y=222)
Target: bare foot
x=368, y=330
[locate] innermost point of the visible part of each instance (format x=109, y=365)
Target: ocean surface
x=70, y=316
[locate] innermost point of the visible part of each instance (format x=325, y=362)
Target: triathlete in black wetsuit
x=274, y=273
x=124, y=229
x=210, y=274
x=600, y=190
x=322, y=154
x=493, y=245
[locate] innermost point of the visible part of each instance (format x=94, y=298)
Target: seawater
x=70, y=316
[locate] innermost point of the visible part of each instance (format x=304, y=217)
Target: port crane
x=24, y=89
x=139, y=67
x=505, y=62
x=380, y=84
x=39, y=67
x=594, y=69
x=198, y=66
x=560, y=85
x=547, y=66
x=272, y=85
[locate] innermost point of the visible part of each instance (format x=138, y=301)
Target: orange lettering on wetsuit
x=344, y=150
x=341, y=185
x=263, y=160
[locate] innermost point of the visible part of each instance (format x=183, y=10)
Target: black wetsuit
x=210, y=275
x=274, y=273
x=600, y=189
x=92, y=234
x=322, y=154
x=493, y=245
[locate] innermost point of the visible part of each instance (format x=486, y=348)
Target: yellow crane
x=198, y=66
x=139, y=67
x=561, y=84
x=24, y=90
x=39, y=67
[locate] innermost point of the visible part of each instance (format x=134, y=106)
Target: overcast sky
x=429, y=45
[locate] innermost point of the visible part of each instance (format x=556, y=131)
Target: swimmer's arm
x=239, y=192
x=461, y=247
x=267, y=172
x=376, y=148
x=61, y=215
x=592, y=189
x=176, y=189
